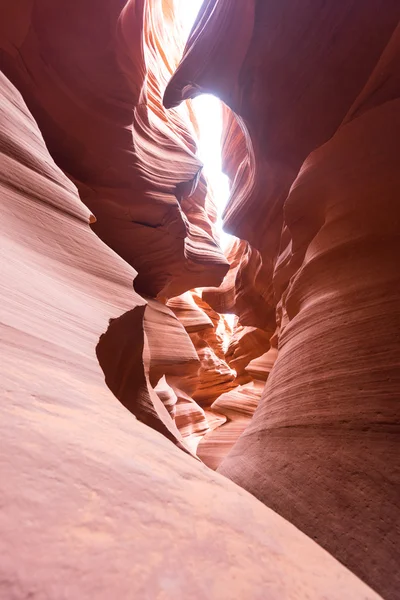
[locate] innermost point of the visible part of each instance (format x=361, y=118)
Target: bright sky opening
x=208, y=111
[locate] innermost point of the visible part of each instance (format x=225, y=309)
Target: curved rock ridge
x=243, y=291
x=215, y=376
x=334, y=389
x=315, y=88
x=189, y=376
x=191, y=420
x=245, y=344
x=192, y=317
x=167, y=396
x=274, y=103
x=125, y=354
x=259, y=368
x=82, y=480
x=238, y=407
x=282, y=112
x=133, y=163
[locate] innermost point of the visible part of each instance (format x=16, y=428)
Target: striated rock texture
x=238, y=407
x=316, y=90
x=95, y=504
x=245, y=344
x=284, y=111
x=344, y=280
x=132, y=162
x=259, y=368
x=298, y=400
x=94, y=88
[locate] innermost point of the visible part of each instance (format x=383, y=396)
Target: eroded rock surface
x=315, y=87
x=132, y=162
x=297, y=400
x=95, y=504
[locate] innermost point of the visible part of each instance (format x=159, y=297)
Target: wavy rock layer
x=238, y=407
x=135, y=167
x=312, y=149
x=133, y=163
x=348, y=422
x=81, y=480
x=316, y=90
x=283, y=111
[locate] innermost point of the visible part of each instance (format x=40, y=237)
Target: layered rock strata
x=134, y=164
x=315, y=87
x=135, y=168
x=81, y=480
x=311, y=147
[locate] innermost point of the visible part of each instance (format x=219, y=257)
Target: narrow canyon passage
x=262, y=357
x=203, y=387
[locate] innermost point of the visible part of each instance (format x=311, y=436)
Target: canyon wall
x=134, y=165
x=113, y=276
x=316, y=90
x=94, y=503
x=132, y=162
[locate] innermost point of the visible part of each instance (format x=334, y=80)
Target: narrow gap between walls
x=208, y=112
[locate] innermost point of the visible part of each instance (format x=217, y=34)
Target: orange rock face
x=133, y=163
x=316, y=90
x=81, y=480
x=297, y=400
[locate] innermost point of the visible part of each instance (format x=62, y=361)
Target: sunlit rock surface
x=132, y=162
x=316, y=87
x=190, y=314
x=311, y=145
x=81, y=480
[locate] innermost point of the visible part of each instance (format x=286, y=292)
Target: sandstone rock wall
x=311, y=145
x=93, y=503
x=315, y=87
x=94, y=87
x=132, y=162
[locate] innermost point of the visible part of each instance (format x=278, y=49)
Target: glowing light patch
x=208, y=111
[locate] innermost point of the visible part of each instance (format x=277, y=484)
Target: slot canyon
x=185, y=418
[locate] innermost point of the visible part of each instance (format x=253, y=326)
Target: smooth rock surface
x=95, y=504
x=323, y=449
x=94, y=87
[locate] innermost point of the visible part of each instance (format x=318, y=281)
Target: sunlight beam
x=208, y=111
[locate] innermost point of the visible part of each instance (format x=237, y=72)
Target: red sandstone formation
x=245, y=344
x=134, y=166
x=95, y=504
x=238, y=406
x=311, y=146
x=192, y=317
x=191, y=420
x=320, y=78
x=133, y=163
x=259, y=368
x=347, y=422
